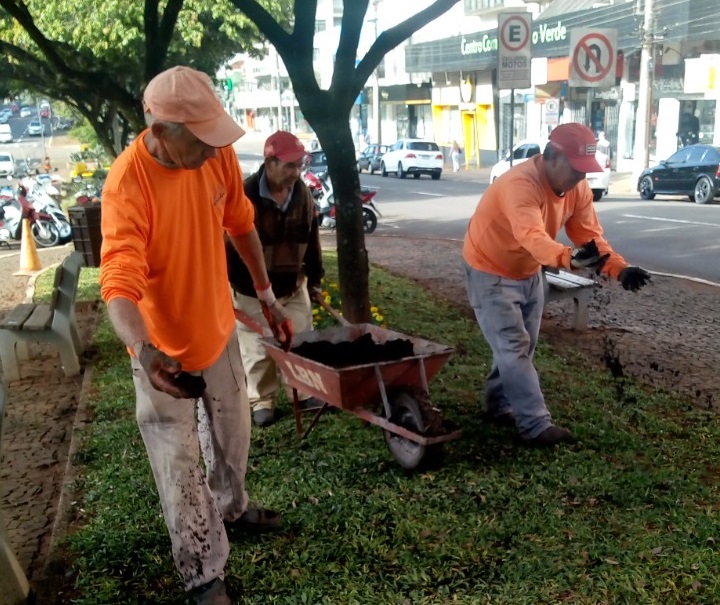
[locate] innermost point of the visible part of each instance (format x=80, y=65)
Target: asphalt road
x=667, y=235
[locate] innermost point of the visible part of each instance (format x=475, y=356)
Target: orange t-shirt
x=163, y=248
x=512, y=232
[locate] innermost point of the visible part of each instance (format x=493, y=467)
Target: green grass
x=629, y=514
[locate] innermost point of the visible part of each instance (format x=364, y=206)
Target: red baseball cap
x=577, y=143
x=187, y=96
x=284, y=146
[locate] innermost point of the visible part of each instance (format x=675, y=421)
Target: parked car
x=7, y=164
x=5, y=133
x=35, y=128
x=599, y=181
x=26, y=112
x=693, y=171
x=413, y=156
x=371, y=157
x=5, y=115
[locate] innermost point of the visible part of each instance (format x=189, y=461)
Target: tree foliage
x=98, y=56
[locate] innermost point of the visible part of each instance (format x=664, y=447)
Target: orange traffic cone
x=29, y=259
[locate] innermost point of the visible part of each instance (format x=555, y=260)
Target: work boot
x=212, y=593
x=264, y=417
x=552, y=435
x=492, y=413
x=256, y=521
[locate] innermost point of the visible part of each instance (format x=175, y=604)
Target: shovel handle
x=318, y=298
x=251, y=323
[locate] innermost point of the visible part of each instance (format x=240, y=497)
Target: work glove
x=588, y=256
x=166, y=375
x=633, y=278
x=276, y=316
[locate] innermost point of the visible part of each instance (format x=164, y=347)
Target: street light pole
x=641, y=152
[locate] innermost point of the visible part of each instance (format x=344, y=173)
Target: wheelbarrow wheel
x=407, y=412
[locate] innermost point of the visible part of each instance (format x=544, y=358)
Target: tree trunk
x=331, y=124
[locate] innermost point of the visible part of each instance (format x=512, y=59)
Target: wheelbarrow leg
x=298, y=416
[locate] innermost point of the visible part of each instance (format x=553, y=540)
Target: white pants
x=195, y=503
x=261, y=374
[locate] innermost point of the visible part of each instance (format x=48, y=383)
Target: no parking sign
x=514, y=51
x=552, y=111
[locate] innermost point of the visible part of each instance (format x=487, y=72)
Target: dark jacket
x=290, y=240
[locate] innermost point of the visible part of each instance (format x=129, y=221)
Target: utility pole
x=641, y=153
x=376, y=85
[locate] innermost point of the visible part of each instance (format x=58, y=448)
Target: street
x=667, y=235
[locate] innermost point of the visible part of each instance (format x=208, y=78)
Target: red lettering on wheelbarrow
x=307, y=377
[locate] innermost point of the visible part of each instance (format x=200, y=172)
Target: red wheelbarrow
x=414, y=429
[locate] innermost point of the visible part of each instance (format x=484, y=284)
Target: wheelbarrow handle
x=251, y=323
x=320, y=299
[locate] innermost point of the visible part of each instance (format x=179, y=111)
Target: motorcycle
x=13, y=209
x=43, y=201
x=322, y=191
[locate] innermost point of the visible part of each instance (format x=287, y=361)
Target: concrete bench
x=14, y=587
x=54, y=323
x=564, y=284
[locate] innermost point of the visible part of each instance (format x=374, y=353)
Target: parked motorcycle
x=43, y=201
x=14, y=207
x=322, y=191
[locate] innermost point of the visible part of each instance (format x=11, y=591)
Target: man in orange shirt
x=167, y=201
x=511, y=236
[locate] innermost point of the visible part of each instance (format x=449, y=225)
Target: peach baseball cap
x=184, y=95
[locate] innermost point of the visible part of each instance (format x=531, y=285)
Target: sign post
x=514, y=58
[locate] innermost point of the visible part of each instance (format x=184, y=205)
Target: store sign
x=541, y=34
x=514, y=51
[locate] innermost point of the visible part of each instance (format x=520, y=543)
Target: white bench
x=564, y=284
x=54, y=323
x=14, y=586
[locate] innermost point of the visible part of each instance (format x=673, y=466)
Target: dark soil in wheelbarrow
x=363, y=350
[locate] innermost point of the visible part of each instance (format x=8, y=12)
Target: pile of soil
x=363, y=350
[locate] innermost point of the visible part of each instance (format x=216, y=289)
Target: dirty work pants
x=509, y=313
x=261, y=373
x=195, y=503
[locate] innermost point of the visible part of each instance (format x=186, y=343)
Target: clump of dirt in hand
x=357, y=352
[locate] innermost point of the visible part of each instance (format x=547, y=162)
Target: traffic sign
x=593, y=57
x=514, y=50
x=552, y=111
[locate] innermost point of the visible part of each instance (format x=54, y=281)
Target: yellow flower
x=379, y=318
x=374, y=310
x=328, y=300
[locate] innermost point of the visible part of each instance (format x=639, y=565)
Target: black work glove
x=166, y=375
x=633, y=278
x=588, y=256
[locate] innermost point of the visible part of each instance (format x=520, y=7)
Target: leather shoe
x=257, y=521
x=552, y=435
x=264, y=417
x=311, y=404
x=212, y=593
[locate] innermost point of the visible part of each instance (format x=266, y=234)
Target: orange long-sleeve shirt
x=513, y=230
x=163, y=248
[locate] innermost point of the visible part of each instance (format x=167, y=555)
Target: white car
x=7, y=164
x=26, y=112
x=413, y=156
x=35, y=128
x=524, y=150
x=5, y=133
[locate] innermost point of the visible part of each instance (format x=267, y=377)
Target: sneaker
x=257, y=521
x=552, y=435
x=212, y=593
x=311, y=404
x=264, y=417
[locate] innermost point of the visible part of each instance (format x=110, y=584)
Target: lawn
x=628, y=514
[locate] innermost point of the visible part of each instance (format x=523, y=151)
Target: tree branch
x=264, y=21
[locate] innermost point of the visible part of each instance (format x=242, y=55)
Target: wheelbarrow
x=414, y=429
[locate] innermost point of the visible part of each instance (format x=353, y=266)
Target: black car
x=693, y=171
x=369, y=159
